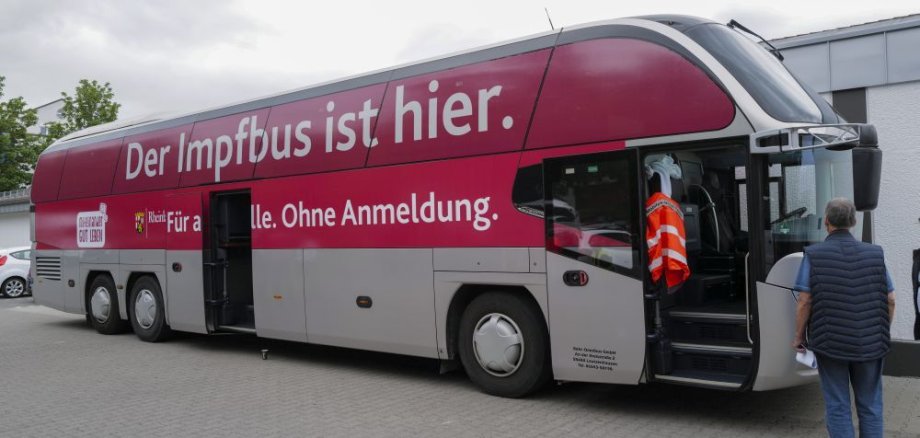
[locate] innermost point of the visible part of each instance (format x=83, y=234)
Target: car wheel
x=13, y=287
x=102, y=306
x=148, y=314
x=503, y=344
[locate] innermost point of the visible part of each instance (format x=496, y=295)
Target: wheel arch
x=17, y=275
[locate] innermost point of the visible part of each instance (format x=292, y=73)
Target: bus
x=485, y=209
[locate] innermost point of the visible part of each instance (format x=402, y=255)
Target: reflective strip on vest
x=667, y=229
x=667, y=244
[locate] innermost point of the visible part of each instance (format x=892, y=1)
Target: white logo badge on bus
x=91, y=228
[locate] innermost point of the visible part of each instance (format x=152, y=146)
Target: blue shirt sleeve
x=889, y=280
x=801, y=281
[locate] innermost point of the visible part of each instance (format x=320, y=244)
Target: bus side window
x=527, y=193
x=595, y=218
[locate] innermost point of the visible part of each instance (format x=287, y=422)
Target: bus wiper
x=734, y=24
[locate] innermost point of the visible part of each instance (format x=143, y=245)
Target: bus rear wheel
x=148, y=313
x=503, y=344
x=102, y=309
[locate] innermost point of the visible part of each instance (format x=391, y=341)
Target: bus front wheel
x=503, y=344
x=148, y=313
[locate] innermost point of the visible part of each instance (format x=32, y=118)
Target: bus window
x=47, y=179
x=88, y=170
x=594, y=215
x=527, y=193
x=592, y=93
x=809, y=179
x=774, y=88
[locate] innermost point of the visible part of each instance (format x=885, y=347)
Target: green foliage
x=92, y=104
x=18, y=149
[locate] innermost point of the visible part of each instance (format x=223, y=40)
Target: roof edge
x=858, y=30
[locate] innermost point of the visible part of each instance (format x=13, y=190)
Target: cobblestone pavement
x=59, y=378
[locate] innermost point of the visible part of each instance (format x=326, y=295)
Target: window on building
x=851, y=104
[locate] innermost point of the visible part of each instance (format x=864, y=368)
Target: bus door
x=184, y=277
x=228, y=262
x=594, y=281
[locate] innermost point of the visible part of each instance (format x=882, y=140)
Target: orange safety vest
x=667, y=242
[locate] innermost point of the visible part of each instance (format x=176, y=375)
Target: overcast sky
x=185, y=55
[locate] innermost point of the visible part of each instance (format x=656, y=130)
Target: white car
x=14, y=270
x=612, y=245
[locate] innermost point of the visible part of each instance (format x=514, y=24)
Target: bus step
x=702, y=379
x=718, y=361
x=727, y=330
x=716, y=349
x=236, y=329
x=716, y=317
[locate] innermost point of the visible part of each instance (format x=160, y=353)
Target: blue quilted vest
x=849, y=311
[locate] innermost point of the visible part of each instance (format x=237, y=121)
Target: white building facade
x=871, y=73
x=14, y=218
x=47, y=113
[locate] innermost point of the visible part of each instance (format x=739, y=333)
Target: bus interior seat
x=692, y=229
x=708, y=271
x=695, y=291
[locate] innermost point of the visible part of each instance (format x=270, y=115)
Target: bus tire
x=503, y=344
x=102, y=311
x=148, y=313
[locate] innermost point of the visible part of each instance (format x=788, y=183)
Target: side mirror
x=867, y=175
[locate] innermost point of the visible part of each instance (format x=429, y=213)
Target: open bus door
x=184, y=263
x=594, y=279
x=228, y=262
x=229, y=291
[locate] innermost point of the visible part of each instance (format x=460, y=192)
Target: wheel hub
x=498, y=344
x=14, y=288
x=145, y=308
x=101, y=304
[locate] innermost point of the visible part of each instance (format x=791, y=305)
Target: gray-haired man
x=846, y=298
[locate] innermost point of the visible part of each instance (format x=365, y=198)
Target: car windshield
x=761, y=74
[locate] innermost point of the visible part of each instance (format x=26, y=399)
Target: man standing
x=846, y=298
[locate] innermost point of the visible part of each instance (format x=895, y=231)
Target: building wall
x=14, y=229
x=894, y=110
x=872, y=54
x=46, y=114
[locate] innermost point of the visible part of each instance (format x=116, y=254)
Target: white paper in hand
x=807, y=358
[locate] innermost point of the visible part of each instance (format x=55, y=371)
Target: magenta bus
x=484, y=208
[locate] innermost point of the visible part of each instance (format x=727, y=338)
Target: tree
x=18, y=149
x=92, y=104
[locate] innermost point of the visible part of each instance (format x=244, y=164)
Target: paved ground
x=59, y=378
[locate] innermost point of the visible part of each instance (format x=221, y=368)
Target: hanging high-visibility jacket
x=666, y=238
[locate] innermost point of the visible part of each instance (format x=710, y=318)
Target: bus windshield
x=761, y=74
x=800, y=185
